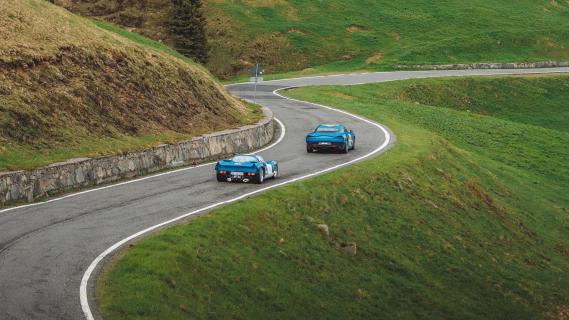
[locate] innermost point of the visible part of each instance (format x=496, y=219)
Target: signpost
x=257, y=74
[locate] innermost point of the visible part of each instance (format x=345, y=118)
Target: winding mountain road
x=49, y=251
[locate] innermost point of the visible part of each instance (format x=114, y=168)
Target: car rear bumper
x=232, y=177
x=326, y=145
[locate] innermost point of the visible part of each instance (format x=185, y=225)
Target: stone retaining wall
x=521, y=65
x=84, y=172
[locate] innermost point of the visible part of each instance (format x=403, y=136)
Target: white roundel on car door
x=270, y=170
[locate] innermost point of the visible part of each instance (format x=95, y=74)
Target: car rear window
x=240, y=159
x=327, y=129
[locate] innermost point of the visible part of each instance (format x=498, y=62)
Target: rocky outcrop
x=77, y=173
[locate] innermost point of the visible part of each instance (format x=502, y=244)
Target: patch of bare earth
x=563, y=250
x=375, y=57
x=396, y=36
x=354, y=27
x=475, y=187
x=561, y=313
x=341, y=95
x=295, y=30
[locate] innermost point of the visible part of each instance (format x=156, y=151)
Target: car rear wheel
x=309, y=149
x=346, y=148
x=353, y=145
x=260, y=177
x=221, y=178
x=276, y=173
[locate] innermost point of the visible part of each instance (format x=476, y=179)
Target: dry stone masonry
x=514, y=65
x=77, y=173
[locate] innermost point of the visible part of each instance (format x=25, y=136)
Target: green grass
x=540, y=100
x=16, y=157
x=254, y=113
x=341, y=36
x=466, y=218
x=141, y=40
x=298, y=34
x=509, y=132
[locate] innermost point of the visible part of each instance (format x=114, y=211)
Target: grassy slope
x=336, y=35
x=297, y=34
x=535, y=100
x=460, y=220
x=70, y=87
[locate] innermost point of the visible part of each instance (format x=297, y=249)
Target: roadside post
x=257, y=77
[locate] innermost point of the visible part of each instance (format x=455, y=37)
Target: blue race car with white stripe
x=246, y=168
x=334, y=137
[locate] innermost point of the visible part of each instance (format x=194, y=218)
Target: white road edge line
x=71, y=195
x=87, y=275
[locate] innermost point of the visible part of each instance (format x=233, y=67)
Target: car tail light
x=250, y=174
x=222, y=172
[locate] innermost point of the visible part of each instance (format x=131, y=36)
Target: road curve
x=46, y=249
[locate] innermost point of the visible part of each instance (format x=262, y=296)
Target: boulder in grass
x=350, y=247
x=324, y=229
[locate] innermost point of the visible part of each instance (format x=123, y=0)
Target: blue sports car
x=331, y=137
x=246, y=168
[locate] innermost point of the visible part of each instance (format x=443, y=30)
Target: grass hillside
x=538, y=100
x=466, y=218
x=335, y=35
x=72, y=88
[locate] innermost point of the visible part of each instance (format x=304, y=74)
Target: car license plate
x=237, y=174
x=324, y=143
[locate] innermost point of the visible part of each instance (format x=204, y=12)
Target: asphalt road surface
x=46, y=249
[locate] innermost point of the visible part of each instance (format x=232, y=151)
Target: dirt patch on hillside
x=475, y=187
x=563, y=250
x=341, y=95
x=295, y=30
x=354, y=27
x=265, y=3
x=375, y=57
x=559, y=313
